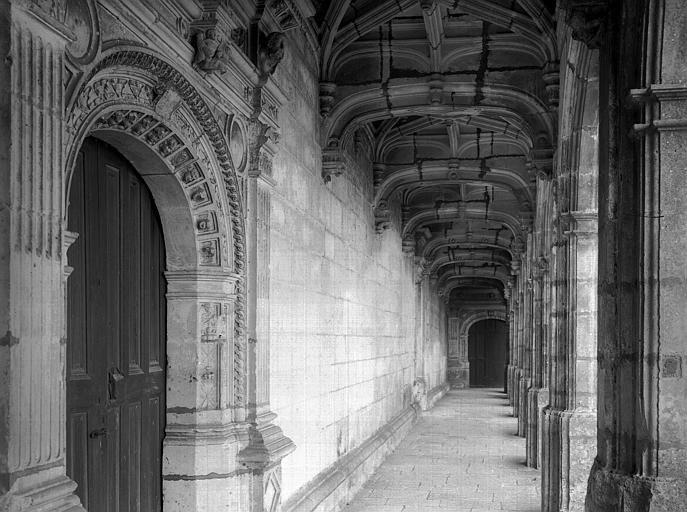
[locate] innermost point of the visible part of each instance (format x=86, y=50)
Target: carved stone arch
x=152, y=114
x=156, y=76
x=477, y=317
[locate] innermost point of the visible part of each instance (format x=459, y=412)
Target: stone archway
x=152, y=115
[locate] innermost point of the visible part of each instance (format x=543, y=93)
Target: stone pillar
x=267, y=443
x=533, y=399
x=664, y=282
x=508, y=295
x=32, y=260
x=551, y=453
x=571, y=417
x=515, y=304
x=578, y=420
x=525, y=349
x=641, y=460
x=204, y=431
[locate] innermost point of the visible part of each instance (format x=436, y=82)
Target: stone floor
x=462, y=456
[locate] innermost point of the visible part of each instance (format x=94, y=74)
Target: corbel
x=334, y=160
x=587, y=19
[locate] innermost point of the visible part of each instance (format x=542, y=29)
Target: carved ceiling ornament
x=126, y=98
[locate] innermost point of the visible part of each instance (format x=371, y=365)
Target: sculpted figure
x=272, y=54
x=212, y=53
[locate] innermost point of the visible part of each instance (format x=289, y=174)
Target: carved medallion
x=80, y=16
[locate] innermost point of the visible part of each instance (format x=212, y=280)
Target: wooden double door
x=487, y=353
x=116, y=336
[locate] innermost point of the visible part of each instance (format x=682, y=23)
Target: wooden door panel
x=77, y=444
x=116, y=346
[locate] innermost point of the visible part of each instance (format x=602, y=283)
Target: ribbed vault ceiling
x=456, y=104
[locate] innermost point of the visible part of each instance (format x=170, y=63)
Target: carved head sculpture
x=272, y=54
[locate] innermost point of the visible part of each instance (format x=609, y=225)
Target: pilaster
x=267, y=444
x=32, y=260
x=204, y=429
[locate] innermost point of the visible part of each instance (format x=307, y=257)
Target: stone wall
x=342, y=298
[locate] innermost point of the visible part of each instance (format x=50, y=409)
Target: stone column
x=267, y=443
x=32, y=259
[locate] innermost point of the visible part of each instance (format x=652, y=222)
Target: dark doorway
x=116, y=336
x=487, y=353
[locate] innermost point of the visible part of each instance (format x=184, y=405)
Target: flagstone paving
x=462, y=456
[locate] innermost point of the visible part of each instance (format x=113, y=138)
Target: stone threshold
x=332, y=488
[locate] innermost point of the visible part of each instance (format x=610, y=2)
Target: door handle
x=100, y=432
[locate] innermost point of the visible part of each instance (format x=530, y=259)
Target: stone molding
x=667, y=95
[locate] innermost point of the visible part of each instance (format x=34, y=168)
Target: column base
x=579, y=430
x=49, y=490
x=570, y=438
x=609, y=491
x=200, y=468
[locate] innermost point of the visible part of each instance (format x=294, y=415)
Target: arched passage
x=487, y=341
